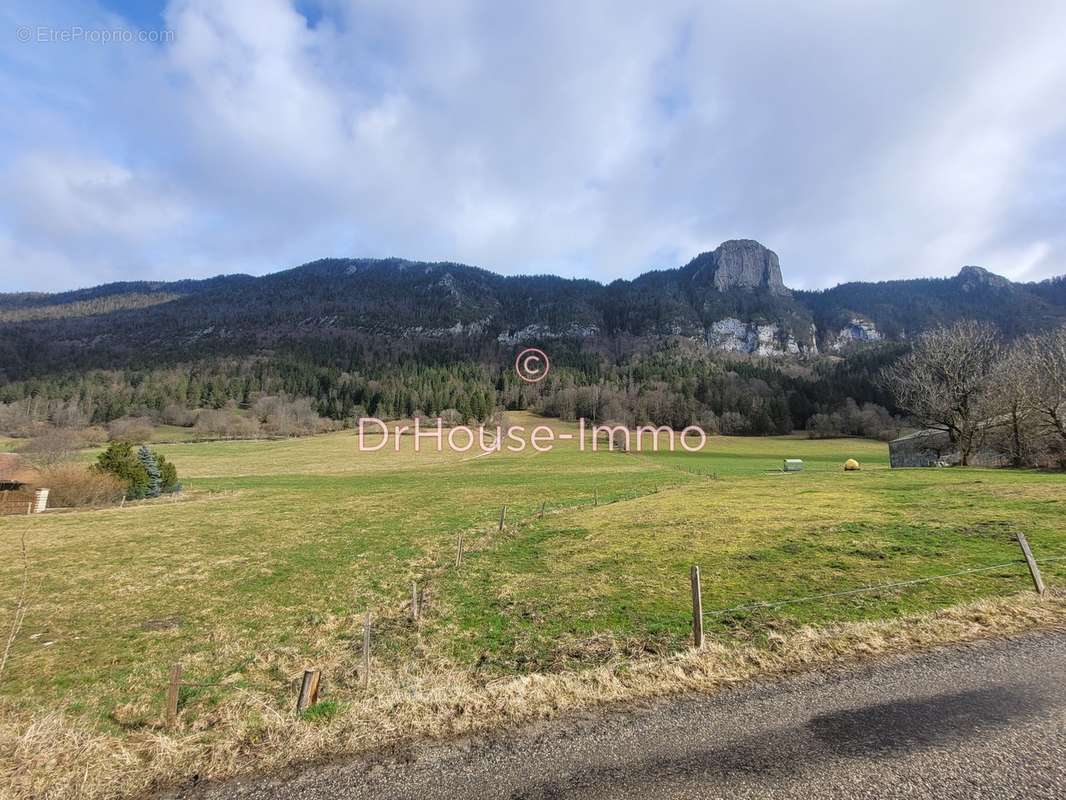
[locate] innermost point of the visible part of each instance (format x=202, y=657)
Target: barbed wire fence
x=760, y=605
x=698, y=613
x=506, y=523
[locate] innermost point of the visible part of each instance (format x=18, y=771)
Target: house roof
x=9, y=465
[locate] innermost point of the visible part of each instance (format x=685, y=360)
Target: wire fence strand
x=878, y=587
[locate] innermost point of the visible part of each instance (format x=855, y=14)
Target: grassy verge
x=54, y=757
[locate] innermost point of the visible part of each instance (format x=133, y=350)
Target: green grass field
x=277, y=549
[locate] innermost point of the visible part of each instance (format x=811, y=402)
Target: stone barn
x=932, y=447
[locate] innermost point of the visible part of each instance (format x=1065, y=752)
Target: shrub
x=77, y=485
x=450, y=418
x=53, y=446
x=130, y=429
x=177, y=414
x=870, y=420
x=733, y=423
x=825, y=426
x=94, y=436
x=282, y=416
x=168, y=474
x=17, y=419
x=225, y=424
x=120, y=460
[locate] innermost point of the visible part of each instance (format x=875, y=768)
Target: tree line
x=984, y=391
x=677, y=384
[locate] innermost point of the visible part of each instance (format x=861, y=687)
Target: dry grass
x=279, y=547
x=78, y=486
x=325, y=454
x=56, y=756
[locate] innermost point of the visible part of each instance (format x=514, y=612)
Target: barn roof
x=925, y=432
x=921, y=434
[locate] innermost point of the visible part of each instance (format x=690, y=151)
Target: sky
x=860, y=141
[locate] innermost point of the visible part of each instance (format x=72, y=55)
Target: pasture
x=277, y=549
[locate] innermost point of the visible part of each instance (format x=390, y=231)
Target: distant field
x=326, y=454
x=172, y=433
x=740, y=455
x=278, y=549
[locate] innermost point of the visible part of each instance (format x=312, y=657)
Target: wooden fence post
x=173, y=691
x=503, y=516
x=366, y=651
x=697, y=608
x=1034, y=570
x=308, y=690
x=414, y=601
x=543, y=504
x=459, y=551
x=595, y=498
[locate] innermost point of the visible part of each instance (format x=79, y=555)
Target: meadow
x=275, y=552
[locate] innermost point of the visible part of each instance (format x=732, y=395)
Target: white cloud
x=78, y=200
x=597, y=139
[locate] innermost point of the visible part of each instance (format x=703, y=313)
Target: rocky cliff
x=975, y=278
x=740, y=264
x=857, y=331
x=732, y=335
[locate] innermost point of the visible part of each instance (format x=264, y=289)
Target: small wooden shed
x=18, y=494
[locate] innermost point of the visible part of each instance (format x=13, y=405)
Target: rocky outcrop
x=732, y=335
x=740, y=264
x=972, y=278
x=533, y=333
x=857, y=331
x=475, y=328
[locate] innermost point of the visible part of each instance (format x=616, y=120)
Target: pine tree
x=118, y=459
x=151, y=466
x=168, y=474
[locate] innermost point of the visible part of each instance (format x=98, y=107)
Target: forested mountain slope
x=733, y=299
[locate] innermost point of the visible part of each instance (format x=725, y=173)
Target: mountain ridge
x=732, y=298
x=27, y=298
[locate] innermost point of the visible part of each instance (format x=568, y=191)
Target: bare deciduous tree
x=1046, y=396
x=945, y=382
x=1011, y=391
x=54, y=446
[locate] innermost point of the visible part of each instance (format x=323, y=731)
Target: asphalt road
x=986, y=720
